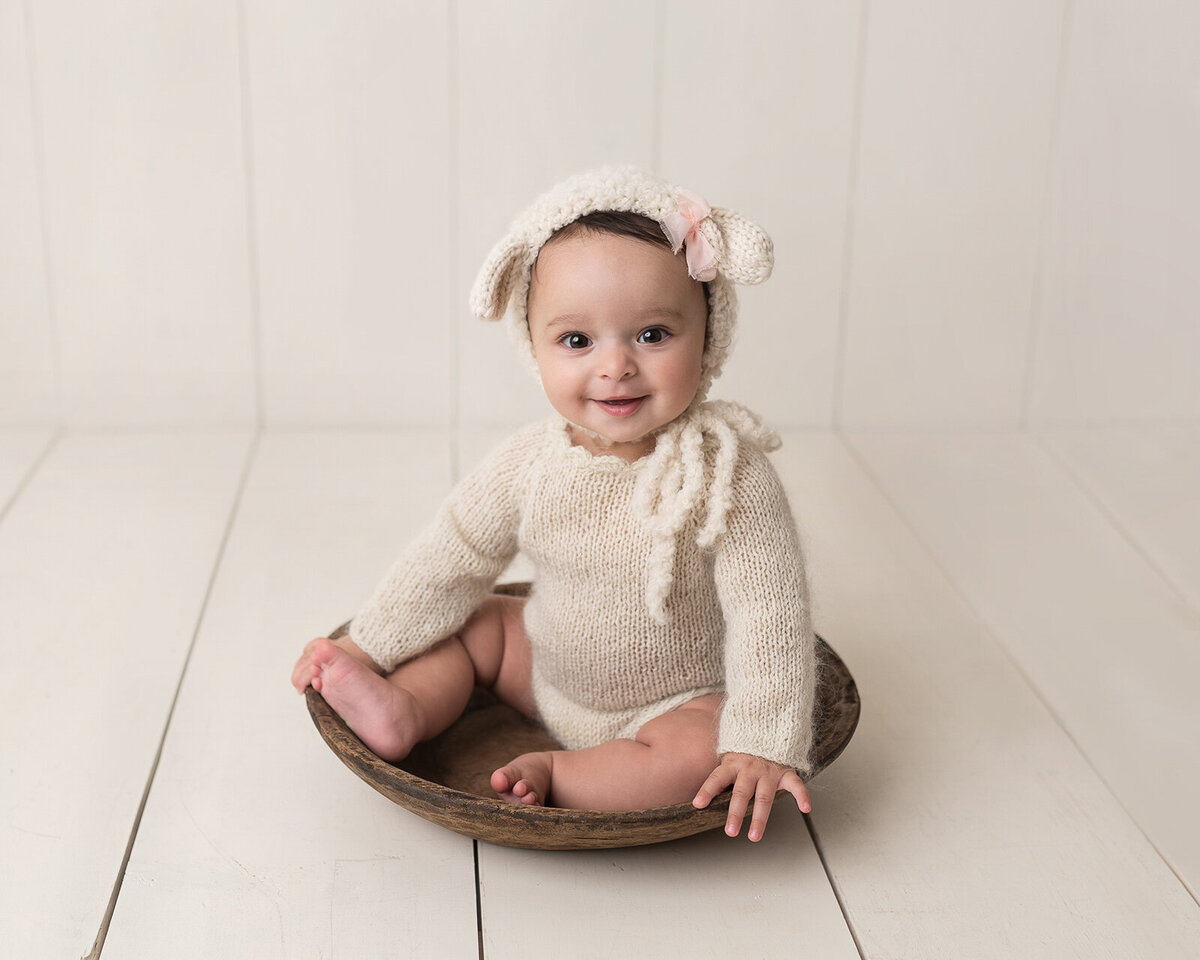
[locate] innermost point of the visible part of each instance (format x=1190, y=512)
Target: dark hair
x=622, y=223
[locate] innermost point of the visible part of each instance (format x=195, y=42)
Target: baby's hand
x=751, y=778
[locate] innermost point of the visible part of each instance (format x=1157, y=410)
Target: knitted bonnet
x=691, y=469
x=722, y=247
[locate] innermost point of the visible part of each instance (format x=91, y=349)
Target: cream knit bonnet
x=743, y=252
x=722, y=248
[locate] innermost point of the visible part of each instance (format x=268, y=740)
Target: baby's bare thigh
x=495, y=639
x=689, y=730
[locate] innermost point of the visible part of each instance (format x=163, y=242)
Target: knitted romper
x=735, y=618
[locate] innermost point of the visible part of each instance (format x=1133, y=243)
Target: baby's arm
x=770, y=662
x=752, y=778
x=442, y=576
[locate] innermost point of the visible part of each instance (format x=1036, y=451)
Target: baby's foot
x=383, y=715
x=526, y=779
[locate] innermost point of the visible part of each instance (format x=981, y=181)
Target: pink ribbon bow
x=683, y=230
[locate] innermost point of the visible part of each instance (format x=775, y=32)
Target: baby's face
x=618, y=334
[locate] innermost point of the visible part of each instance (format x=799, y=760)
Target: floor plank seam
x=946, y=575
x=1110, y=516
x=106, y=921
x=837, y=893
x=31, y=472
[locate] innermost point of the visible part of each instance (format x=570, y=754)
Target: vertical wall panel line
x=252, y=260
x=43, y=201
x=1037, y=296
x=659, y=92
x=454, y=236
x=839, y=365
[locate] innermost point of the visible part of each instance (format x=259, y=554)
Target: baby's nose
x=616, y=362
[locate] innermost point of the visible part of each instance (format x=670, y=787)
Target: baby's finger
x=792, y=783
x=763, y=798
x=743, y=790
x=717, y=781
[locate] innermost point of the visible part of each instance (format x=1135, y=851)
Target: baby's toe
x=323, y=653
x=519, y=781
x=500, y=780
x=530, y=797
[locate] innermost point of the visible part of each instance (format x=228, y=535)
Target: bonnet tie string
x=671, y=488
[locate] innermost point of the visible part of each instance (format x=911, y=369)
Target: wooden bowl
x=446, y=779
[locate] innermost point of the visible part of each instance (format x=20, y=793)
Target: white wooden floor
x=1021, y=612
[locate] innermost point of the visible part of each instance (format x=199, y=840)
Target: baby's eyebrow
x=669, y=313
x=567, y=320
x=642, y=316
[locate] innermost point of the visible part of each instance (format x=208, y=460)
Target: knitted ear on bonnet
x=743, y=252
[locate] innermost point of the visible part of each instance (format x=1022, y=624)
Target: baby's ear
x=746, y=254
x=494, y=284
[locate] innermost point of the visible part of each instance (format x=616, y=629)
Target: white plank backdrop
x=145, y=204
x=28, y=379
x=954, y=148
x=249, y=211
x=1118, y=329
x=351, y=160
x=225, y=223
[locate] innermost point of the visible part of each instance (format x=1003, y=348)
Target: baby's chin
x=607, y=442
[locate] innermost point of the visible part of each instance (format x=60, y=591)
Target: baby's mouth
x=620, y=406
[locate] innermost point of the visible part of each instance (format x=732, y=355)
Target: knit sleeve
x=442, y=576
x=770, y=652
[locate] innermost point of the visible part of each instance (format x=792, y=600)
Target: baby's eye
x=576, y=341
x=653, y=335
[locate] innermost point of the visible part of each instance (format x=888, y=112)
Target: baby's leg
x=423, y=696
x=666, y=763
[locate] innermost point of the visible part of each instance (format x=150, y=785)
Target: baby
x=666, y=641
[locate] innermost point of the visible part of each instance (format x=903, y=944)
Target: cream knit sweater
x=736, y=614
